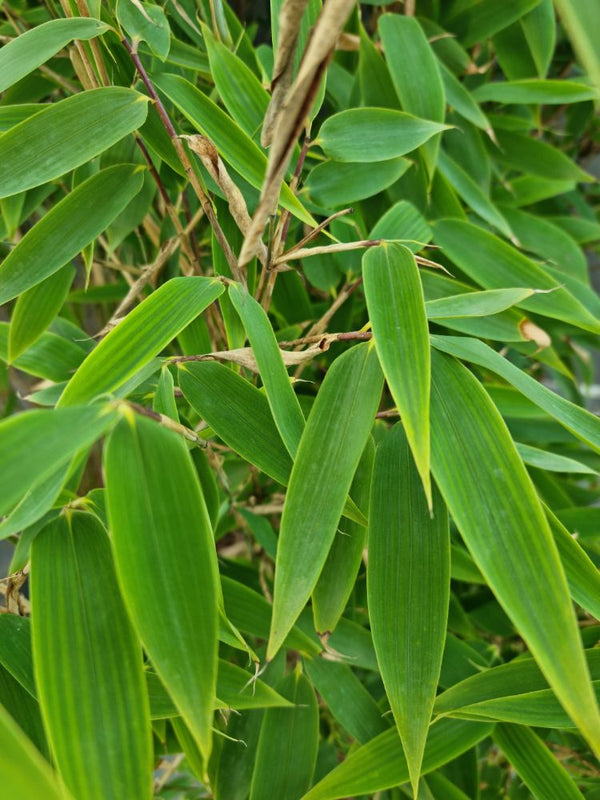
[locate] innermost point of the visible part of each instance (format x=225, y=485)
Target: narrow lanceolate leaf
x=36, y=308
x=67, y=134
x=330, y=449
x=140, y=337
x=396, y=307
x=287, y=746
x=34, y=444
x=408, y=589
x=27, y=51
x=415, y=73
x=95, y=705
x=544, y=775
x=496, y=509
x=381, y=764
x=282, y=399
x=494, y=264
x=476, y=304
x=581, y=20
x=67, y=228
x=25, y=774
x=374, y=134
x=166, y=562
x=579, y=421
x=338, y=576
x=535, y=91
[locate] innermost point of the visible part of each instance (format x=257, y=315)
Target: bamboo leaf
x=532, y=90
x=145, y=22
x=476, y=304
x=474, y=23
x=67, y=228
x=283, y=402
x=140, y=337
x=374, y=134
x=380, y=764
x=579, y=421
x=533, y=156
x=581, y=21
x=25, y=774
x=493, y=502
x=287, y=745
x=320, y=480
x=408, y=589
x=35, y=151
x=497, y=265
x=35, y=443
x=236, y=148
x=396, y=308
x=79, y=621
x=166, y=562
x=415, y=73
x=541, y=771
x=335, y=183
x=26, y=52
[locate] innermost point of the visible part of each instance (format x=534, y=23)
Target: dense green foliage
x=299, y=471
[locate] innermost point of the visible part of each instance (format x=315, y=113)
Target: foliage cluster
x=296, y=461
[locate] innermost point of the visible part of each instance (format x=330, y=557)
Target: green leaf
x=166, y=562
x=541, y=771
x=67, y=228
x=287, y=746
x=338, y=576
x=408, y=589
x=494, y=264
x=30, y=49
x=145, y=22
x=374, y=134
x=36, y=308
x=140, y=337
x=548, y=92
x=403, y=221
x=415, y=74
x=25, y=774
x=580, y=20
x=496, y=509
x=535, y=157
x=67, y=134
x=282, y=400
x=478, y=21
x=552, y=462
x=244, y=422
x=579, y=421
x=35, y=443
x=236, y=148
x=334, y=183
x=396, y=308
x=476, y=304
x=380, y=764
x=462, y=101
x=335, y=435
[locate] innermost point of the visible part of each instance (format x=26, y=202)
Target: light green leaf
x=408, y=590
x=67, y=134
x=68, y=227
x=579, y=421
x=534, y=91
x=581, y=19
x=335, y=435
x=496, y=509
x=462, y=101
x=26, y=52
x=36, y=308
x=145, y=22
x=334, y=183
x=282, y=399
x=396, y=308
x=166, y=563
x=236, y=148
x=79, y=622
x=539, y=29
x=478, y=21
x=552, y=462
x=25, y=774
x=374, y=134
x=403, y=222
x=35, y=443
x=476, y=304
x=415, y=74
x=494, y=264
x=525, y=154
x=140, y=337
x=380, y=764
x=287, y=746
x=541, y=771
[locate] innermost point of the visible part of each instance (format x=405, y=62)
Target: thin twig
x=169, y=423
